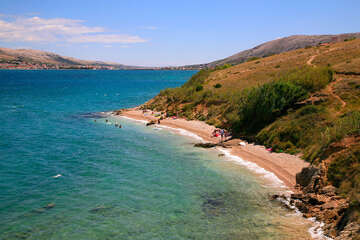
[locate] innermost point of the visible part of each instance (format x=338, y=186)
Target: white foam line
x=133, y=119
x=182, y=132
x=317, y=231
x=178, y=130
x=254, y=167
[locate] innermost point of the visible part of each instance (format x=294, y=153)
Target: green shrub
x=309, y=109
x=197, y=79
x=347, y=125
x=349, y=39
x=262, y=105
x=199, y=88
x=218, y=85
x=310, y=78
x=221, y=67
x=252, y=59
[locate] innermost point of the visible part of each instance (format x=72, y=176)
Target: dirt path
x=309, y=62
x=330, y=89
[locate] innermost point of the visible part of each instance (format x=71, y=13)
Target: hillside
x=278, y=46
x=304, y=101
x=36, y=59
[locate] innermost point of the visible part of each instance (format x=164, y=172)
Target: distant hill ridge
x=26, y=56
x=20, y=57
x=278, y=46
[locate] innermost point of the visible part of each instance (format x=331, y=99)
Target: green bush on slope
x=262, y=105
x=310, y=78
x=296, y=131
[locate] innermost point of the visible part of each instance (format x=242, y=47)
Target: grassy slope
x=324, y=128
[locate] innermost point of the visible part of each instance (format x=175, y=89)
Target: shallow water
x=129, y=183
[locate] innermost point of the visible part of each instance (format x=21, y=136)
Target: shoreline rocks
x=316, y=199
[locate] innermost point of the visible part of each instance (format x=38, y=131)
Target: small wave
x=178, y=130
x=255, y=168
x=183, y=132
x=316, y=231
x=133, y=119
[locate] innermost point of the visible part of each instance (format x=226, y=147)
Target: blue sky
x=162, y=33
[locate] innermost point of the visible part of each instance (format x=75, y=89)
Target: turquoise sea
x=65, y=176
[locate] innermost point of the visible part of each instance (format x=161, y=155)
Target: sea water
x=67, y=173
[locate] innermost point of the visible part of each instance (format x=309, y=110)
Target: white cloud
x=36, y=29
x=150, y=28
x=106, y=38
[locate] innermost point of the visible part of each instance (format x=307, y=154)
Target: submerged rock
x=44, y=209
x=100, y=209
x=49, y=206
x=219, y=203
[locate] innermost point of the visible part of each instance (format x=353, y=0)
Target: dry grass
x=342, y=56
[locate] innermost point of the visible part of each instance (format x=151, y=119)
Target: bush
x=310, y=78
x=197, y=79
x=252, y=59
x=349, y=39
x=310, y=109
x=347, y=125
x=199, y=88
x=343, y=166
x=218, y=85
x=227, y=65
x=262, y=105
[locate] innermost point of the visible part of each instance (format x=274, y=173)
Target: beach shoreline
x=281, y=165
x=277, y=168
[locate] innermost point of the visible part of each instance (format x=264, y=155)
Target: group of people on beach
x=224, y=134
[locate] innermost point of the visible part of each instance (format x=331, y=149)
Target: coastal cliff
x=304, y=102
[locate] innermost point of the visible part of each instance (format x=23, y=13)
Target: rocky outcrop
x=152, y=122
x=205, y=145
x=211, y=145
x=316, y=199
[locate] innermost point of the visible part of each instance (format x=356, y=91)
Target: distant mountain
x=36, y=59
x=278, y=46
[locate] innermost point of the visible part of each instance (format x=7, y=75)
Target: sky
x=166, y=33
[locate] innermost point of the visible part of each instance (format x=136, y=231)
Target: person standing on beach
x=222, y=133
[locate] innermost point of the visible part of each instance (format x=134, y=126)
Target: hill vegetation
x=305, y=101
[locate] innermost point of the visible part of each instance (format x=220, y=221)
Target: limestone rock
x=304, y=177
